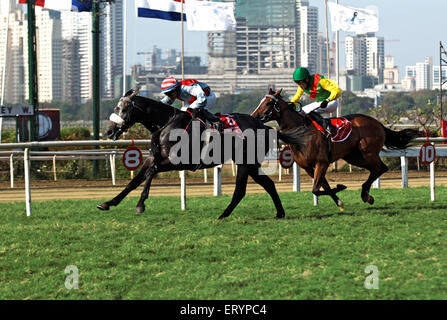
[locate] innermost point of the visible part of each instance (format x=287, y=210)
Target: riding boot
x=217, y=123
x=324, y=123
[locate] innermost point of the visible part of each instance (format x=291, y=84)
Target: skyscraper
x=111, y=48
x=365, y=55
x=424, y=74
x=15, y=84
x=307, y=35
x=77, y=56
x=49, y=55
x=270, y=35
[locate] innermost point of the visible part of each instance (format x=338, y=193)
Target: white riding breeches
x=315, y=106
x=210, y=103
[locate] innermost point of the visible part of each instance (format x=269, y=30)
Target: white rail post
x=232, y=168
x=315, y=197
x=404, y=166
x=26, y=161
x=296, y=178
x=279, y=171
x=432, y=181
x=218, y=180
x=54, y=168
x=205, y=175
x=183, y=189
x=11, y=170
x=112, y=167
x=376, y=183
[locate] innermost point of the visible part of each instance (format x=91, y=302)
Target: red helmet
x=169, y=84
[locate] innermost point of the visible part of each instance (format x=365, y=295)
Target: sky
x=413, y=29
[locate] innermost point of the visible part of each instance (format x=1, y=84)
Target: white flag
x=353, y=19
x=210, y=16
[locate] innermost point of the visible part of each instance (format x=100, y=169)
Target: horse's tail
x=399, y=139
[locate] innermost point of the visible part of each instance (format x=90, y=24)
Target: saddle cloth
x=343, y=125
x=230, y=125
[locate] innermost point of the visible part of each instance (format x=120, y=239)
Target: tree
x=354, y=104
x=397, y=102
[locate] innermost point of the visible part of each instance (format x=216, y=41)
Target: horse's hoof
x=341, y=206
x=341, y=187
x=103, y=206
x=140, y=210
x=370, y=200
x=222, y=216
x=280, y=216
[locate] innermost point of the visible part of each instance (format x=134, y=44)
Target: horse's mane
x=158, y=104
x=306, y=122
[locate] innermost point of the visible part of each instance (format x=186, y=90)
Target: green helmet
x=301, y=74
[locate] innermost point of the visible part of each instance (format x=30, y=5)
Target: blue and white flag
x=353, y=19
x=160, y=9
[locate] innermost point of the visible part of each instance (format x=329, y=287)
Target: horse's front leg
x=327, y=189
x=133, y=184
x=150, y=174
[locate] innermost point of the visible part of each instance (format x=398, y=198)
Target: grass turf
x=315, y=253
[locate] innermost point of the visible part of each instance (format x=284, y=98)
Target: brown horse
x=360, y=149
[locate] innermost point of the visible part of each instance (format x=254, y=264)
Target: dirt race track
x=103, y=189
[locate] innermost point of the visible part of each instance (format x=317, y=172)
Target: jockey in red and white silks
x=195, y=94
x=197, y=97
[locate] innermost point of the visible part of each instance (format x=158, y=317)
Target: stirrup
x=329, y=132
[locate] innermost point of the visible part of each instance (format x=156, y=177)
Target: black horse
x=161, y=119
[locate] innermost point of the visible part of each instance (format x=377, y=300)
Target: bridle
x=267, y=116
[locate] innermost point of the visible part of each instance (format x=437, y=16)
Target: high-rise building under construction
x=270, y=35
x=272, y=38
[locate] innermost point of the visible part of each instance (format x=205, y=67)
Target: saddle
x=229, y=124
x=343, y=125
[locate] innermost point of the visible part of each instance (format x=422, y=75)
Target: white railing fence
x=27, y=155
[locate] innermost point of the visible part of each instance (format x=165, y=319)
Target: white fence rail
x=100, y=154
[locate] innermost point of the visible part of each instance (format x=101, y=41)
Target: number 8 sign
x=132, y=158
x=427, y=153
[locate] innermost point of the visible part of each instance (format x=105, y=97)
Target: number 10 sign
x=427, y=153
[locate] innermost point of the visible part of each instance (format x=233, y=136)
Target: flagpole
x=337, y=61
x=5, y=53
x=124, y=46
x=327, y=43
x=182, y=173
x=183, y=66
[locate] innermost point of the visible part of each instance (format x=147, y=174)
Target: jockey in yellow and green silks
x=324, y=91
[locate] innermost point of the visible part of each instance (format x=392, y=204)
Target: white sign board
x=13, y=111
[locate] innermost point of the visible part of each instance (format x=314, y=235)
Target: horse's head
x=268, y=109
x=121, y=118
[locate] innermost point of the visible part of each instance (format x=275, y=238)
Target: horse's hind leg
x=376, y=167
x=133, y=184
x=269, y=186
x=239, y=191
